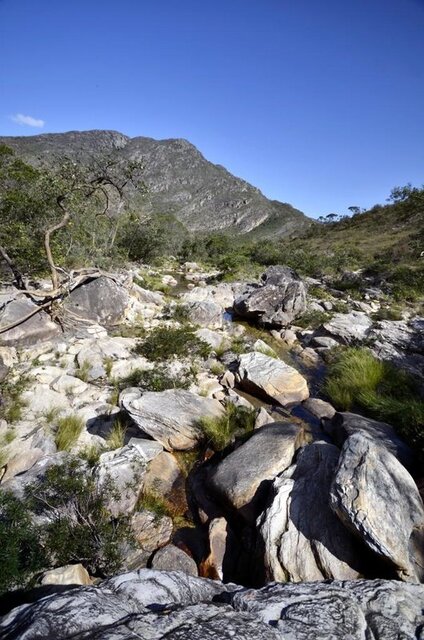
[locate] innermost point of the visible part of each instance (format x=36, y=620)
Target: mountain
x=202, y=195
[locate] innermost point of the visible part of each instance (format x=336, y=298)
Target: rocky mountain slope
x=180, y=181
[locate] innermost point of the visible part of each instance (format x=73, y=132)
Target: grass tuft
x=221, y=431
x=68, y=431
x=356, y=379
x=116, y=437
x=164, y=343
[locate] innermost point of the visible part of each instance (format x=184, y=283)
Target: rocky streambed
x=317, y=513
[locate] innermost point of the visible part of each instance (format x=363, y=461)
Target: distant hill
x=202, y=195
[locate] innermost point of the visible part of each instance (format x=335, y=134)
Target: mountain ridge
x=202, y=195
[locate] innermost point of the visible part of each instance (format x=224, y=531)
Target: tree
x=46, y=214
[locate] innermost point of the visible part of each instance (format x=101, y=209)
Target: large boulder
x=400, y=342
x=172, y=417
x=374, y=495
x=171, y=558
x=242, y=479
x=205, y=314
x=101, y=300
x=268, y=377
x=278, y=300
x=338, y=610
x=348, y=328
x=302, y=538
x=344, y=424
x=158, y=605
x=38, y=328
x=69, y=574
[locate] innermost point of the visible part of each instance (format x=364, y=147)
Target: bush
x=157, y=379
x=356, y=379
x=313, y=319
x=68, y=430
x=221, y=431
x=164, y=343
x=21, y=551
x=79, y=527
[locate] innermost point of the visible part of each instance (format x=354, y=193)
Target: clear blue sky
x=320, y=104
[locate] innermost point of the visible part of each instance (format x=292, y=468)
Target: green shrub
x=12, y=404
x=313, y=319
x=68, y=430
x=83, y=371
x=163, y=343
x=356, y=379
x=116, y=437
x=78, y=525
x=221, y=431
x=157, y=379
x=21, y=549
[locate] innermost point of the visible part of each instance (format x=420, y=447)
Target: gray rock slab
x=344, y=424
x=302, y=538
x=38, y=328
x=277, y=301
x=348, y=328
x=171, y=558
x=171, y=417
x=375, y=496
x=101, y=300
x=242, y=479
x=267, y=377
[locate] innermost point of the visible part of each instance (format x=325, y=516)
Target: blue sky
x=320, y=104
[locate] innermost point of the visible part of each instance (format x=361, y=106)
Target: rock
x=319, y=408
x=164, y=478
x=69, y=384
x=205, y=314
x=277, y=301
x=69, y=574
x=148, y=297
x=339, y=610
x=263, y=347
x=214, y=339
x=101, y=300
x=400, y=342
x=171, y=558
x=289, y=337
x=267, y=377
x=324, y=342
x=41, y=399
x=125, y=467
x=169, y=281
x=375, y=496
x=303, y=539
x=21, y=463
x=221, y=294
x=228, y=380
x=151, y=531
x=310, y=357
x=149, y=449
x=263, y=418
x=36, y=473
x=171, y=417
x=345, y=424
x=212, y=567
x=156, y=605
x=4, y=369
x=36, y=329
x=348, y=328
x=242, y=479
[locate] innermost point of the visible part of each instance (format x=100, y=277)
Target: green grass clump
x=221, y=431
x=164, y=343
x=12, y=405
x=157, y=379
x=68, y=430
x=356, y=379
x=313, y=319
x=83, y=371
x=388, y=313
x=116, y=437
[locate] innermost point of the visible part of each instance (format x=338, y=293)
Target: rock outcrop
x=277, y=301
x=302, y=538
x=158, y=605
x=172, y=417
x=270, y=378
x=375, y=496
x=242, y=479
x=37, y=328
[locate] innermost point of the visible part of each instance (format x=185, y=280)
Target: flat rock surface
x=375, y=495
x=171, y=417
x=243, y=476
x=348, y=328
x=268, y=377
x=171, y=605
x=101, y=300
